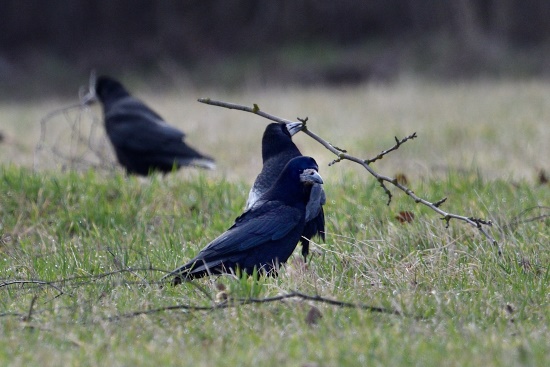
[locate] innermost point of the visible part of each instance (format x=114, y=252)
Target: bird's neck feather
x=272, y=146
x=295, y=192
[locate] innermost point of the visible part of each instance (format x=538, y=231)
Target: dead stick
x=343, y=155
x=247, y=301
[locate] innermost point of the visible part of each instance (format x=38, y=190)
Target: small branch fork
x=342, y=154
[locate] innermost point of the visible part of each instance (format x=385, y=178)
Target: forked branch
x=342, y=154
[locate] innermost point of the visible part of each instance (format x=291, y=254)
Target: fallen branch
x=82, y=280
x=229, y=302
x=342, y=154
x=235, y=302
x=521, y=217
x=28, y=317
x=79, y=280
x=5, y=283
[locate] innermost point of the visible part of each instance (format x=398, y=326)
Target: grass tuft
x=82, y=252
x=91, y=249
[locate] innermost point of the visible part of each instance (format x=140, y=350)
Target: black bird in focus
x=277, y=149
x=263, y=236
x=142, y=140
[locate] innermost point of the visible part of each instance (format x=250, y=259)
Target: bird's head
x=305, y=169
x=295, y=181
x=310, y=175
x=277, y=130
x=108, y=88
x=301, y=175
x=277, y=139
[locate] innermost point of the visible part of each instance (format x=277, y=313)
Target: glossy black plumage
x=277, y=150
x=266, y=234
x=142, y=140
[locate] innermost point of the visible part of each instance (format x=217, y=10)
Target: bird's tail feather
x=207, y=163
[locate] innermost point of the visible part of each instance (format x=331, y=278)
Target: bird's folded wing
x=131, y=105
x=254, y=229
x=135, y=132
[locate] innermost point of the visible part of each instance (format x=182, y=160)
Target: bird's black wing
x=139, y=135
x=271, y=222
x=130, y=105
x=140, y=129
x=268, y=222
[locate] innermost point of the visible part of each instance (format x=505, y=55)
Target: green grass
x=464, y=304
x=101, y=241
x=499, y=128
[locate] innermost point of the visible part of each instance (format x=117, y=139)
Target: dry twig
x=28, y=317
x=228, y=302
x=522, y=217
x=235, y=302
x=87, y=145
x=342, y=154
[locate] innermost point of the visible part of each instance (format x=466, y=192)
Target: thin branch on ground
x=235, y=302
x=12, y=314
x=522, y=218
x=28, y=317
x=81, y=279
x=230, y=302
x=4, y=283
x=342, y=154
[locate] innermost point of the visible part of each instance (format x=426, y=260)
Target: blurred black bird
x=265, y=235
x=277, y=150
x=142, y=140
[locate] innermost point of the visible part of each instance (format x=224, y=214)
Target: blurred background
x=51, y=46
x=469, y=76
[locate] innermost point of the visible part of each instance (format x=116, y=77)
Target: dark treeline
x=103, y=33
x=195, y=28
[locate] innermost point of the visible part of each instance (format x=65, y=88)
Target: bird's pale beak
x=311, y=176
x=294, y=127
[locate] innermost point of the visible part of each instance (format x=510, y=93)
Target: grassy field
x=83, y=250
x=500, y=128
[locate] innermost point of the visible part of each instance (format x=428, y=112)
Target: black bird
x=277, y=149
x=143, y=141
x=263, y=236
